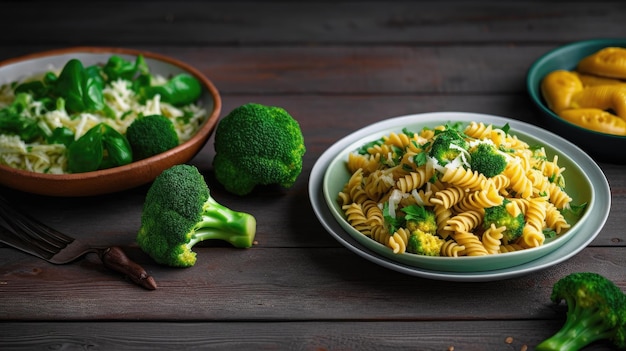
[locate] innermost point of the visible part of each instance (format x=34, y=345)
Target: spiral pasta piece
x=357, y=218
x=400, y=140
x=473, y=245
x=558, y=197
x=367, y=163
x=451, y=248
x=539, y=182
x=465, y=178
x=492, y=238
x=501, y=182
x=488, y=197
x=555, y=220
x=532, y=234
x=399, y=240
x=448, y=197
x=414, y=180
x=379, y=234
x=373, y=213
x=381, y=149
x=442, y=215
x=464, y=222
x=377, y=184
x=519, y=182
x=478, y=130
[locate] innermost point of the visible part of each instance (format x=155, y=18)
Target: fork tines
x=29, y=234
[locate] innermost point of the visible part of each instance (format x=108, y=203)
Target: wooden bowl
x=117, y=178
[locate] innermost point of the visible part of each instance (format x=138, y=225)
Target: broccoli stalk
x=221, y=223
x=596, y=310
x=179, y=212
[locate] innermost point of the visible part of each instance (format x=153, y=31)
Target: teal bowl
x=601, y=146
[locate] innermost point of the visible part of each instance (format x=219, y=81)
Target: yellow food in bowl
x=414, y=195
x=594, y=95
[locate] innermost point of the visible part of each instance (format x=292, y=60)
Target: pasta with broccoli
x=455, y=190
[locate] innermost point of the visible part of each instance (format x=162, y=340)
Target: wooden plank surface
x=329, y=22
x=336, y=67
x=279, y=284
x=304, y=336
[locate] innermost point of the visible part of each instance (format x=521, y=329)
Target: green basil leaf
x=86, y=153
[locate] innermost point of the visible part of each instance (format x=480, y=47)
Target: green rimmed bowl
x=600, y=146
x=585, y=182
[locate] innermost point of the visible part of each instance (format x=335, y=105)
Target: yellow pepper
x=608, y=62
x=595, y=119
x=558, y=88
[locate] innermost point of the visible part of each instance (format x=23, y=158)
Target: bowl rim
x=533, y=89
x=205, y=129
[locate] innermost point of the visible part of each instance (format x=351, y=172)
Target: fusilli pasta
x=398, y=172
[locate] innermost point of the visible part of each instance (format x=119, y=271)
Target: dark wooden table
x=336, y=67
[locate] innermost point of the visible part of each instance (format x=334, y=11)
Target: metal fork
x=29, y=235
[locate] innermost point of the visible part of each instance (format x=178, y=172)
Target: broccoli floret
x=257, y=145
x=596, y=310
x=151, y=135
x=419, y=218
x=486, y=159
x=179, y=212
x=447, y=146
x=500, y=216
x=424, y=244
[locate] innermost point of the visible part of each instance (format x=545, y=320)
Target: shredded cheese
x=126, y=106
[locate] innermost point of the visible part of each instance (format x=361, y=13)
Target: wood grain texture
x=279, y=284
x=336, y=66
x=307, y=23
x=302, y=336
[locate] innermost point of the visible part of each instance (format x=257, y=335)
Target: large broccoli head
x=257, y=145
x=179, y=212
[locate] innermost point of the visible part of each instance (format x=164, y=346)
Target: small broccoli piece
x=257, y=145
x=447, y=146
x=486, y=159
x=596, y=310
x=419, y=218
x=424, y=244
x=151, y=135
x=500, y=216
x=179, y=212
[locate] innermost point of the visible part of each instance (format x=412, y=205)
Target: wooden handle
x=114, y=258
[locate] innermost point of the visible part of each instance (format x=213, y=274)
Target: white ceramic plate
x=582, y=171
